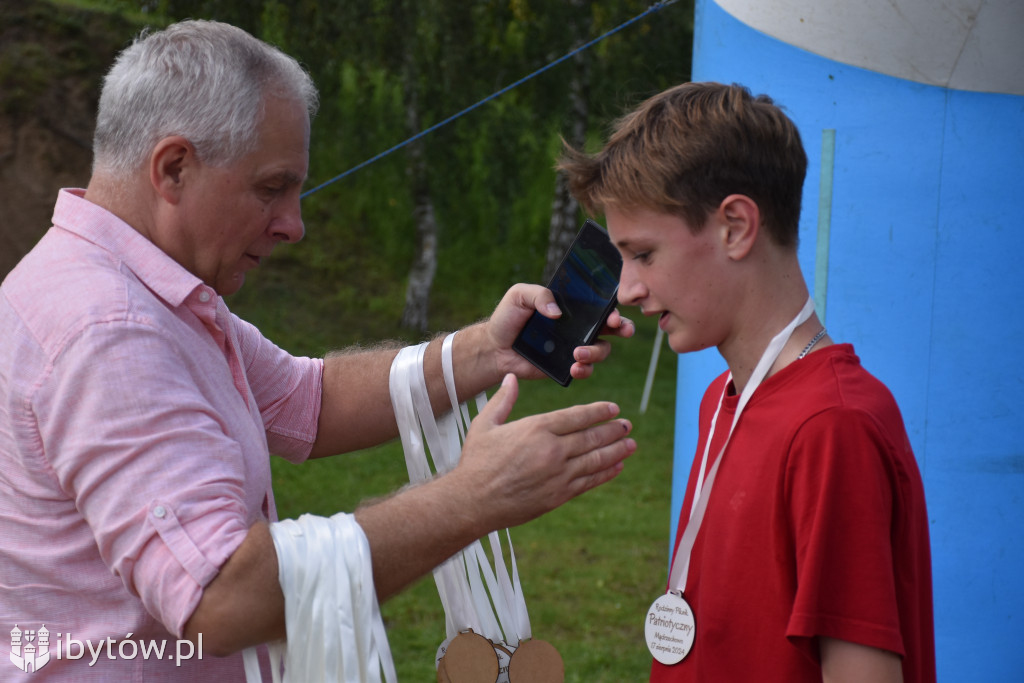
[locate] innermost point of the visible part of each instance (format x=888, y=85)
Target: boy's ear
x=167, y=163
x=740, y=219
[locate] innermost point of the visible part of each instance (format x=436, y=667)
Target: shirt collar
x=159, y=272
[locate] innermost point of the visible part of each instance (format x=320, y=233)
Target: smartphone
x=585, y=286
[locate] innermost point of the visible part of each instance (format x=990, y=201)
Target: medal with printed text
x=670, y=628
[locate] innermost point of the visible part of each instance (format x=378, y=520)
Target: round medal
x=470, y=658
x=442, y=673
x=669, y=629
x=536, y=661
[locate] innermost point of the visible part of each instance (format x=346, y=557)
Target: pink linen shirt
x=137, y=415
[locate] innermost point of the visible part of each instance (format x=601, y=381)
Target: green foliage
x=49, y=52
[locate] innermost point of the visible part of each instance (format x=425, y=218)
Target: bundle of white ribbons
x=333, y=622
x=474, y=595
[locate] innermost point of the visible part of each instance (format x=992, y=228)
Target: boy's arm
x=846, y=662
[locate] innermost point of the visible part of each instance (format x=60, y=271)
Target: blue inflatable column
x=912, y=239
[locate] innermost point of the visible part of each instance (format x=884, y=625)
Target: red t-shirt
x=816, y=526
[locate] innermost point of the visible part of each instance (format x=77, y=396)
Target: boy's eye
x=642, y=257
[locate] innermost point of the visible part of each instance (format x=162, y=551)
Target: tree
x=564, y=208
x=424, y=266
x=603, y=73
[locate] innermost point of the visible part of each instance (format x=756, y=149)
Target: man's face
x=233, y=216
x=669, y=271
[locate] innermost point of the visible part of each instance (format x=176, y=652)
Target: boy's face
x=670, y=272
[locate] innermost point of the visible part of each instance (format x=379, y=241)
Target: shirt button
x=204, y=296
x=159, y=511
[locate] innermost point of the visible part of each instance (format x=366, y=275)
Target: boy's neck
x=769, y=303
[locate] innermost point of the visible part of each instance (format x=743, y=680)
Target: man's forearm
x=415, y=531
x=356, y=410
x=355, y=404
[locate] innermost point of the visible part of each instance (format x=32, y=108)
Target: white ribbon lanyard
x=670, y=624
x=497, y=611
x=702, y=491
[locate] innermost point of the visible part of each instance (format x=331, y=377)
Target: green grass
x=589, y=569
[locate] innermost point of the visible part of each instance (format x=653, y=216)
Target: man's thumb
x=499, y=407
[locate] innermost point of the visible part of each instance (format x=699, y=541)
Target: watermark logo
x=30, y=649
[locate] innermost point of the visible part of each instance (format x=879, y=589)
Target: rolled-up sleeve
x=287, y=390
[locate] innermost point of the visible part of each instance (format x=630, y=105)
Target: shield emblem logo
x=30, y=649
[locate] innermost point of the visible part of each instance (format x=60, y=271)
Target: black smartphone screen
x=585, y=286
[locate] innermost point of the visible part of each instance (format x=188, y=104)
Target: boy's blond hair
x=686, y=149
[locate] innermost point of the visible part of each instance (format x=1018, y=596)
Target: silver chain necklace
x=810, y=345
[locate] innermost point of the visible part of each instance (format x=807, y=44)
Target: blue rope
x=650, y=10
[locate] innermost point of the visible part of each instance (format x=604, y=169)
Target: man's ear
x=740, y=218
x=167, y=163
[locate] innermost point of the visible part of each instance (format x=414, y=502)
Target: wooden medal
x=670, y=628
x=442, y=673
x=536, y=661
x=470, y=658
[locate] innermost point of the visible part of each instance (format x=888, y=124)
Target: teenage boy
x=812, y=559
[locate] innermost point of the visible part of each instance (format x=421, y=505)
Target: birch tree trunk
x=424, y=265
x=565, y=208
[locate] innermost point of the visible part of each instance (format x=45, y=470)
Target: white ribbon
x=474, y=596
x=333, y=622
